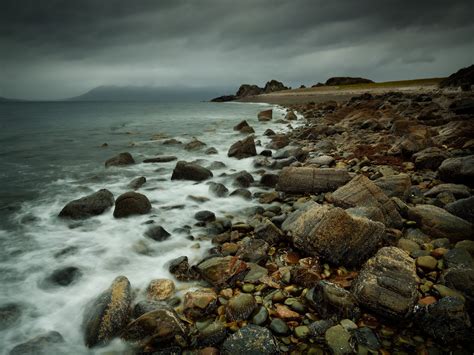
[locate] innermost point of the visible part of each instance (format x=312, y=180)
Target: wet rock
x=466, y=244
x=136, y=183
x=205, y=216
x=311, y=180
x=131, y=203
x=157, y=233
x=243, y=149
x=322, y=160
x=279, y=327
x=190, y=171
x=458, y=190
x=195, y=144
x=268, y=232
x=64, y=276
x=338, y=340
x=429, y=158
x=243, y=179
x=48, y=343
x=211, y=333
x=218, y=189
x=438, y=223
x=253, y=250
x=9, y=314
x=459, y=169
x=269, y=180
x=282, y=163
x=216, y=165
x=463, y=208
x=244, y=193
x=145, y=306
x=265, y=115
x=222, y=271
x=331, y=300
x=333, y=234
x=387, y=284
x=445, y=320
x=458, y=257
x=180, y=268
x=160, y=289
x=291, y=116
x=269, y=132
x=278, y=141
x=395, y=185
x=461, y=279
x=361, y=192
x=211, y=151
x=261, y=316
x=161, y=159
x=291, y=151
x=320, y=327
x=426, y=262
x=108, y=314
x=255, y=273
x=88, y=206
x=366, y=337
x=306, y=275
x=200, y=303
x=158, y=327
x=240, y=307
x=243, y=127
x=121, y=159
x=252, y=340
x=408, y=245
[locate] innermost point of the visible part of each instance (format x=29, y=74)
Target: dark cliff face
x=252, y=90
x=462, y=78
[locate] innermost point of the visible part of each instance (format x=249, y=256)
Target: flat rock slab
x=161, y=159
x=387, y=284
x=439, y=223
x=361, y=192
x=307, y=179
x=334, y=234
x=88, y=206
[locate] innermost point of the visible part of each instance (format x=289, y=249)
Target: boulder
x=446, y=320
x=463, y=208
x=211, y=151
x=161, y=159
x=160, y=289
x=243, y=149
x=205, y=216
x=180, y=268
x=136, y=183
x=333, y=234
x=461, y=279
x=252, y=340
x=64, y=276
x=248, y=90
x=190, y=171
x=395, y=185
x=108, y=314
x=253, y=250
x=200, y=303
x=361, y=192
x=48, y=343
x=160, y=326
x=121, y=159
x=459, y=169
x=429, y=158
x=218, y=189
x=267, y=231
x=157, y=233
x=240, y=307
x=278, y=141
x=10, y=313
x=291, y=151
x=88, y=206
x=463, y=106
x=387, y=284
x=331, y=300
x=222, y=271
x=265, y=115
x=439, y=223
x=457, y=190
x=311, y=180
x=243, y=179
x=269, y=180
x=131, y=203
x=338, y=340
x=194, y=144
x=291, y=116
x=241, y=126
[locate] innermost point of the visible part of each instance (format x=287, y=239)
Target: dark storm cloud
x=61, y=48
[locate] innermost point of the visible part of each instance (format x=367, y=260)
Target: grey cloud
x=61, y=48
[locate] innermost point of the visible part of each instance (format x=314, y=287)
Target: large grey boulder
x=108, y=315
x=311, y=180
x=361, y=192
x=439, y=223
x=463, y=208
x=131, y=203
x=334, y=234
x=88, y=206
x=243, y=149
x=395, y=185
x=121, y=159
x=459, y=169
x=387, y=284
x=190, y=171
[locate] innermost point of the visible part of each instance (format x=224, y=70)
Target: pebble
x=279, y=327
x=302, y=331
x=427, y=262
x=446, y=291
x=338, y=339
x=248, y=288
x=260, y=317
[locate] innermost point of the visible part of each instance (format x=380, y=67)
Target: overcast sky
x=60, y=48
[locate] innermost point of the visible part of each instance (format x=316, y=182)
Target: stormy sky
x=60, y=48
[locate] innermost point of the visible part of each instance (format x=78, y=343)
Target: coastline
x=339, y=194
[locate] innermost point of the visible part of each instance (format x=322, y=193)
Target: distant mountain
x=4, y=99
x=145, y=93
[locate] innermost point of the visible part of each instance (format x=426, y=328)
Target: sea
x=54, y=152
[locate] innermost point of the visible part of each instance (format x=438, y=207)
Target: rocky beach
x=356, y=237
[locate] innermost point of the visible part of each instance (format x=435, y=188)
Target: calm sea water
x=51, y=153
